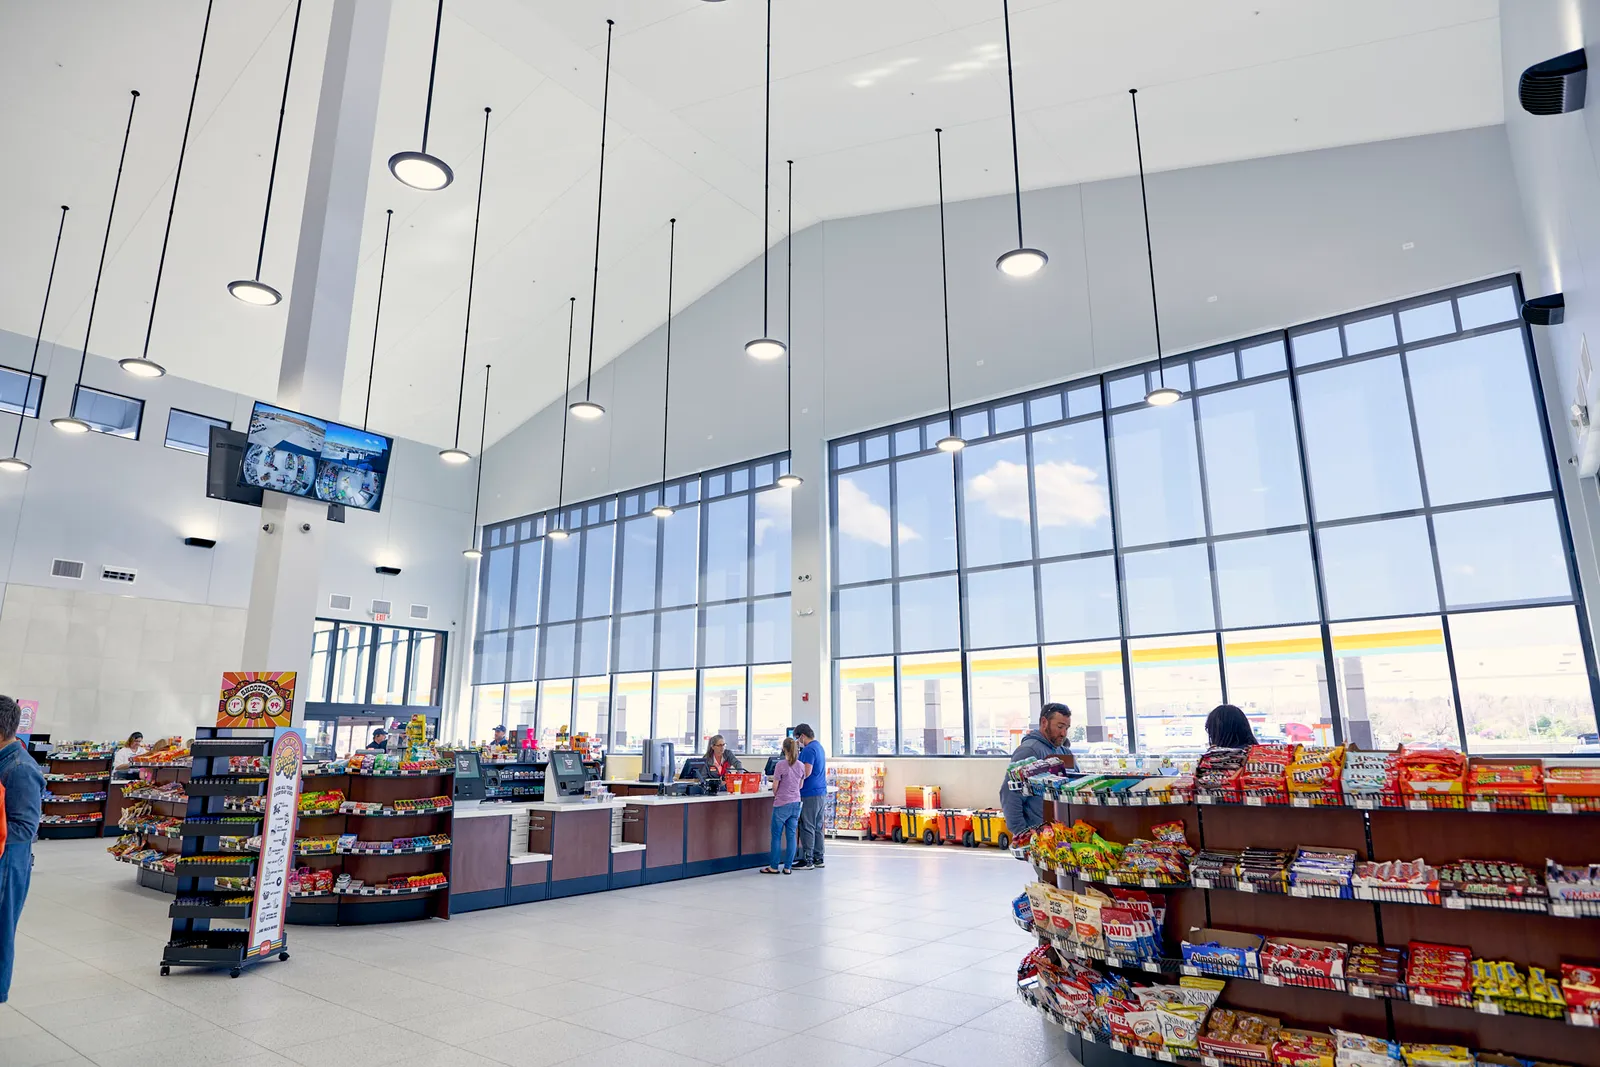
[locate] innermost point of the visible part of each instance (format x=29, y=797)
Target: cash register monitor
x=772, y=765
x=693, y=768
x=469, y=776
x=566, y=771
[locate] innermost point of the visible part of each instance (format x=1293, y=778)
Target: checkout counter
x=515, y=853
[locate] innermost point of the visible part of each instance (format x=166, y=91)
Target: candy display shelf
x=1541, y=930
x=356, y=854
x=158, y=794
x=76, y=780
x=219, y=761
x=858, y=787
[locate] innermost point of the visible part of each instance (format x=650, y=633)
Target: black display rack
x=199, y=903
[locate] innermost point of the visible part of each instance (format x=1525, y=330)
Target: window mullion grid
x=750, y=605
x=1433, y=543
x=1211, y=550
x=1033, y=534
x=1128, y=697
x=702, y=551
x=958, y=476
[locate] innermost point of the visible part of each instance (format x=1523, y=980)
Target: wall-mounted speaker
x=1545, y=310
x=1555, y=86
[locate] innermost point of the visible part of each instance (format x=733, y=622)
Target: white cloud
x=773, y=509
x=864, y=519
x=1068, y=493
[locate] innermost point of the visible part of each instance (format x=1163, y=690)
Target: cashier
x=719, y=761
x=1049, y=738
x=380, y=741
x=499, y=740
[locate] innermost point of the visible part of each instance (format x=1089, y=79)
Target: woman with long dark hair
x=1227, y=727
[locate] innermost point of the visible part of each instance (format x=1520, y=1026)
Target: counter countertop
x=482, y=809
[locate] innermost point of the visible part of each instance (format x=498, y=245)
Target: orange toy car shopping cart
x=955, y=827
x=884, y=821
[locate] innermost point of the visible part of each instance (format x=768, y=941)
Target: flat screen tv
x=222, y=468
x=302, y=455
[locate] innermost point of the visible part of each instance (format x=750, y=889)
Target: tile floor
x=891, y=957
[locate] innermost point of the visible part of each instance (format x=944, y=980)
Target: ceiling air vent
x=338, y=602
x=1555, y=86
x=66, y=568
x=126, y=575
x=382, y=607
x=419, y=611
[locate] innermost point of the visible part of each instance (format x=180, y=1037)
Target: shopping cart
x=955, y=827
x=920, y=824
x=989, y=827
x=884, y=821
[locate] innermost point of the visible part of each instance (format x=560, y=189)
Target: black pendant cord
x=766, y=177
x=1149, y=253
x=472, y=274
x=104, y=244
x=277, y=142
x=483, y=435
x=177, y=177
x=944, y=284
x=433, y=70
x=788, y=326
x=600, y=200
x=377, y=317
x=1011, y=88
x=566, y=389
x=666, y=385
x=39, y=337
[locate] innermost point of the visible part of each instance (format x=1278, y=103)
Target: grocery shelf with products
x=1467, y=925
x=148, y=812
x=857, y=787
x=77, y=775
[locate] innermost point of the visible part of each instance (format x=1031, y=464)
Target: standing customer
x=787, y=776
x=23, y=784
x=813, y=794
x=1048, y=739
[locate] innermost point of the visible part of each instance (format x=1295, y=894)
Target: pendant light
x=254, y=290
x=951, y=442
x=1163, y=395
x=455, y=454
x=418, y=169
x=587, y=408
x=766, y=347
x=14, y=463
x=789, y=479
x=662, y=510
x=558, y=529
x=472, y=551
x=377, y=316
x=144, y=366
x=70, y=423
x=1021, y=261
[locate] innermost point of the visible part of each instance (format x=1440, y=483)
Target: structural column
x=288, y=562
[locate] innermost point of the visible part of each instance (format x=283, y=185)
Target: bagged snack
x=1316, y=770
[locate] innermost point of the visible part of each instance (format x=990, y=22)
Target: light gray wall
x=112, y=502
x=1240, y=248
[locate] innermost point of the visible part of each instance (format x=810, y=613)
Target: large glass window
x=364, y=663
x=1347, y=528
x=618, y=618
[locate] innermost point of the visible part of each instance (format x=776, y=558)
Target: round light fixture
x=15, y=465
x=1163, y=397
x=557, y=534
x=1022, y=262
x=71, y=425
x=660, y=511
x=421, y=171
x=454, y=456
x=471, y=553
x=258, y=294
x=790, y=480
x=585, y=409
x=142, y=368
x=950, y=444
x=765, y=348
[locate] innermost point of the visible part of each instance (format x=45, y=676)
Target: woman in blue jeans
x=787, y=777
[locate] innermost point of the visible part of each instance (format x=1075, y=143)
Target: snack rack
x=77, y=776
x=163, y=786
x=206, y=855
x=858, y=786
x=1440, y=831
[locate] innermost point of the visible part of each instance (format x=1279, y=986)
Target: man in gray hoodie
x=24, y=785
x=1049, y=739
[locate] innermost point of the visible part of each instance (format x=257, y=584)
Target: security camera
x=305, y=527
x=267, y=527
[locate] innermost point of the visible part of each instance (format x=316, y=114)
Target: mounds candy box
x=1227, y=952
x=1580, y=987
x=1299, y=961
x=1567, y=781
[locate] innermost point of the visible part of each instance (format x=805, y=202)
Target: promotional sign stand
x=238, y=846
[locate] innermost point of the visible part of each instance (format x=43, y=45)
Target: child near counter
x=787, y=776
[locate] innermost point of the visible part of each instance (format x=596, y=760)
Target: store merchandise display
x=77, y=781
x=1166, y=895
x=147, y=807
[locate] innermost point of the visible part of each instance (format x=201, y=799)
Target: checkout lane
x=570, y=843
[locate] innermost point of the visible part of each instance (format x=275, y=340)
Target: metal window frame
x=209, y=420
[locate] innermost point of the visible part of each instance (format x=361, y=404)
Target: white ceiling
x=859, y=85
